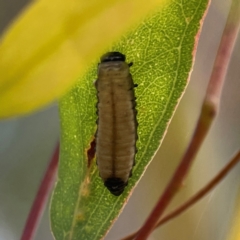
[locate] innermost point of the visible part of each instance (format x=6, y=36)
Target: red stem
x=41, y=198
x=224, y=54
x=200, y=194
x=177, y=178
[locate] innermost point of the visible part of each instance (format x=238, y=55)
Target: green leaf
x=162, y=49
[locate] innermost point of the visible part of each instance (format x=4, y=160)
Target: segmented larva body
x=117, y=125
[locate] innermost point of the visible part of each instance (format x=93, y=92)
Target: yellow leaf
x=234, y=233
x=52, y=44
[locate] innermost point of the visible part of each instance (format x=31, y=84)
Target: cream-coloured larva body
x=117, y=125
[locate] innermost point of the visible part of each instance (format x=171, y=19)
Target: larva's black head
x=115, y=185
x=112, y=57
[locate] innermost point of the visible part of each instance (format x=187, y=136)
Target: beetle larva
x=117, y=124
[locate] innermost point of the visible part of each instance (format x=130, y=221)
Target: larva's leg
x=95, y=83
x=96, y=105
x=133, y=86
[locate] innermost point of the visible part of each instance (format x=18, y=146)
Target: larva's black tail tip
x=113, y=56
x=115, y=185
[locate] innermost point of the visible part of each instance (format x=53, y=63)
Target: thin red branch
x=204, y=191
x=224, y=54
x=41, y=198
x=208, y=112
x=200, y=194
x=178, y=177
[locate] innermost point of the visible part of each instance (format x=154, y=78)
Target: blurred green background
x=27, y=143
